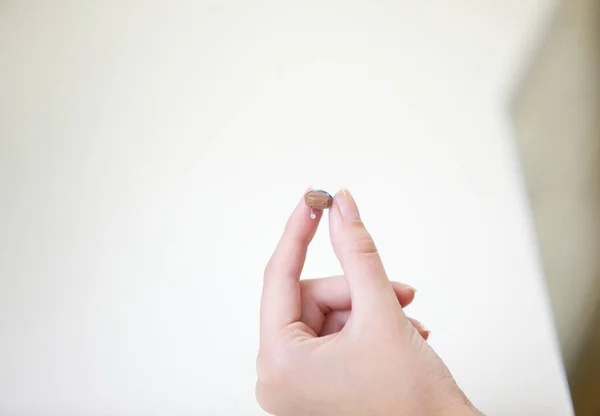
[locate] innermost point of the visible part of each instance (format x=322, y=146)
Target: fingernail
x=420, y=326
x=347, y=205
x=412, y=289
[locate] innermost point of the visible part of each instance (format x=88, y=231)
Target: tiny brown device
x=318, y=199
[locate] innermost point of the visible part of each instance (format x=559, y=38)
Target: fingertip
x=347, y=205
x=404, y=293
x=341, y=227
x=304, y=217
x=403, y=286
x=335, y=224
x=420, y=328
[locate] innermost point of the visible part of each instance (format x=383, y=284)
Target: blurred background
x=555, y=110
x=557, y=121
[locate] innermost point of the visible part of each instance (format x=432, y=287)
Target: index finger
x=280, y=305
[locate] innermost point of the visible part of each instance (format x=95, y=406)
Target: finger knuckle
x=372, y=262
x=363, y=243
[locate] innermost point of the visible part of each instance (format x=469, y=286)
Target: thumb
x=370, y=290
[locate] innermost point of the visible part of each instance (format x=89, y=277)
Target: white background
x=150, y=155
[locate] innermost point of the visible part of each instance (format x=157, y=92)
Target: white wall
x=150, y=155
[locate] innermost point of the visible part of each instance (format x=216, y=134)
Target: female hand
x=326, y=304
x=319, y=356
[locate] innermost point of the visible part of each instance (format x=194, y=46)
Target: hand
x=326, y=304
x=328, y=348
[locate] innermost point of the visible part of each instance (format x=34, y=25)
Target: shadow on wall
x=585, y=376
x=557, y=120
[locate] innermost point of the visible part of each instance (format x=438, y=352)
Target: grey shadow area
x=556, y=116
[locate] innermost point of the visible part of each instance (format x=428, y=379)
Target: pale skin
x=343, y=345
